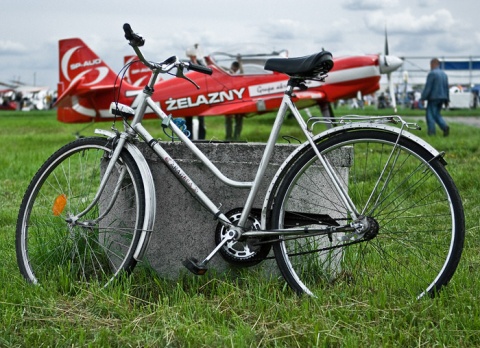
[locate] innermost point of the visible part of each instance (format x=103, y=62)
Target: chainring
x=244, y=253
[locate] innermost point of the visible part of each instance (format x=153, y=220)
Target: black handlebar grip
x=200, y=68
x=128, y=31
x=134, y=39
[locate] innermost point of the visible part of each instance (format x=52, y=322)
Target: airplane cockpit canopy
x=250, y=63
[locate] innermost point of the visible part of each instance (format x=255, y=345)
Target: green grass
x=222, y=311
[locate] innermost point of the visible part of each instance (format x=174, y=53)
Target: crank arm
x=200, y=268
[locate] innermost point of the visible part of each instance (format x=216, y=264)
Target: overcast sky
x=30, y=29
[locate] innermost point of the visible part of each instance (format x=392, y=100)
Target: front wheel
x=405, y=197
x=53, y=241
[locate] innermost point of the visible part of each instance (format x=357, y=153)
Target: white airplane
x=18, y=96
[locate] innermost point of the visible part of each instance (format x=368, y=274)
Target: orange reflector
x=59, y=204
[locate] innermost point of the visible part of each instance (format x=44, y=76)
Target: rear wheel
x=52, y=241
x=411, y=213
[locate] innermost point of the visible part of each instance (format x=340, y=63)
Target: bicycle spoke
x=102, y=243
x=397, y=187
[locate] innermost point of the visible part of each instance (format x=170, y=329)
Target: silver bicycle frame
x=146, y=101
x=136, y=128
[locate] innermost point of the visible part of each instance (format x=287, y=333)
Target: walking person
x=436, y=94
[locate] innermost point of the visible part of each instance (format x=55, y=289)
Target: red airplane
x=137, y=74
x=7, y=100
x=87, y=86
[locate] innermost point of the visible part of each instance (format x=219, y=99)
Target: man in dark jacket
x=436, y=94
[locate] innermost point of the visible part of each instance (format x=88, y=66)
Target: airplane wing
x=78, y=89
x=231, y=108
x=254, y=105
x=301, y=95
x=261, y=104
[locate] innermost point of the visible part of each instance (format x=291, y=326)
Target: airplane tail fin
x=137, y=74
x=83, y=78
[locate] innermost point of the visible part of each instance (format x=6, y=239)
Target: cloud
x=283, y=29
x=357, y=5
x=11, y=48
x=302, y=38
x=426, y=3
x=452, y=44
x=405, y=22
x=446, y=44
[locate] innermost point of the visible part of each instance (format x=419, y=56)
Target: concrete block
x=183, y=228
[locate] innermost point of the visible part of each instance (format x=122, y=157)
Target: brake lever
x=182, y=75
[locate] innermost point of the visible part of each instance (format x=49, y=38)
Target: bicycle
x=393, y=220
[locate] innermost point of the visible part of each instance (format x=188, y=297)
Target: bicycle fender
x=382, y=127
x=150, y=198
x=271, y=191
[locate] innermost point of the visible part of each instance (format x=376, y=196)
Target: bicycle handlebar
x=137, y=41
x=199, y=68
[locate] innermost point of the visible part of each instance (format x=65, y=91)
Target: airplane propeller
x=390, y=63
x=389, y=76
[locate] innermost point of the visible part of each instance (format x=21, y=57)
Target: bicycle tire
x=49, y=245
x=417, y=244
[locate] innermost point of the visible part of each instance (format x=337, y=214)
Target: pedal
x=200, y=268
x=194, y=266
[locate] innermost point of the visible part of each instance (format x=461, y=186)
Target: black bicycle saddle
x=304, y=67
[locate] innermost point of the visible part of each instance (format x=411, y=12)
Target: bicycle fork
x=108, y=171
